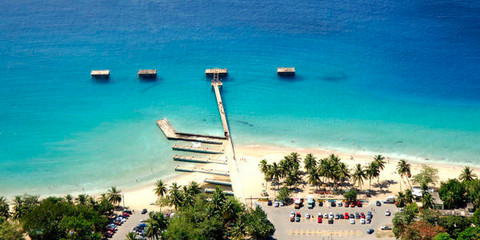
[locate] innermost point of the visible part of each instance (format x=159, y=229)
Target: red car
x=362, y=215
x=319, y=220
x=347, y=204
x=346, y=215
x=359, y=204
x=352, y=205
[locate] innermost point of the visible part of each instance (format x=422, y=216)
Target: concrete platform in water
x=218, y=182
x=202, y=170
x=198, y=159
x=197, y=149
x=171, y=134
x=147, y=73
x=286, y=71
x=103, y=74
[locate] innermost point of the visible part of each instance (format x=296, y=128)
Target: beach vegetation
x=469, y=233
x=372, y=171
x=23, y=204
x=380, y=162
x=310, y=164
x=214, y=216
x=4, y=208
x=10, y=230
x=428, y=175
x=131, y=236
x=454, y=225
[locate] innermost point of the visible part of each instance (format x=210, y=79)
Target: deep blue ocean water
x=400, y=78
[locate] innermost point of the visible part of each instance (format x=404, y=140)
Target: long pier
x=202, y=170
x=171, y=134
x=197, y=149
x=197, y=159
x=216, y=83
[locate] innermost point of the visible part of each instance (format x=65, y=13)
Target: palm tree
x=4, y=208
x=449, y=199
x=160, y=188
x=295, y=159
x=18, y=210
x=156, y=224
x=408, y=196
x=427, y=201
x=467, y=175
x=218, y=198
x=313, y=178
x=342, y=172
x=276, y=173
x=194, y=188
x=310, y=163
x=371, y=171
x=403, y=169
x=131, y=236
x=69, y=198
x=239, y=229
x=114, y=196
x=400, y=199
x=358, y=175
x=81, y=199
x=175, y=196
x=263, y=166
x=380, y=160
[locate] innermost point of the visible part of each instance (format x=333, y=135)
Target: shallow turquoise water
x=397, y=78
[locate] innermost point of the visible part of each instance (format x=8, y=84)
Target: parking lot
x=340, y=229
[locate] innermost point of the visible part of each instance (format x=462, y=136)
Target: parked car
x=362, y=220
x=357, y=215
x=320, y=203
x=307, y=216
x=330, y=221
x=332, y=204
x=370, y=231
x=337, y=216
x=378, y=204
x=362, y=215
x=359, y=204
x=388, y=213
x=346, y=215
x=352, y=205
x=144, y=211
x=352, y=221
x=369, y=220
x=352, y=216
x=339, y=204
x=269, y=203
x=325, y=215
x=276, y=204
x=347, y=204
x=386, y=227
x=292, y=217
x=330, y=216
x=319, y=219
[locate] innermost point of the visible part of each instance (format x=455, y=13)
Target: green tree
x=156, y=224
x=476, y=218
x=428, y=175
x=175, y=196
x=10, y=231
x=160, y=188
x=114, y=196
x=427, y=201
x=400, y=199
x=358, y=175
x=454, y=225
x=342, y=172
x=430, y=216
x=469, y=234
x=452, y=192
x=403, y=169
x=284, y=194
x=276, y=173
x=310, y=163
x=467, y=175
x=408, y=196
x=23, y=204
x=442, y=236
x=258, y=225
x=351, y=195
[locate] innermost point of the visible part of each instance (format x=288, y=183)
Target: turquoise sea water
x=397, y=77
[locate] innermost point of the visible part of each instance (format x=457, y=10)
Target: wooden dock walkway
x=197, y=159
x=218, y=182
x=171, y=134
x=202, y=170
x=197, y=149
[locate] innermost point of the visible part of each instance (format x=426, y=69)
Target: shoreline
x=141, y=195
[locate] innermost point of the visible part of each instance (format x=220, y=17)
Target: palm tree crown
x=467, y=175
x=358, y=175
x=114, y=195
x=160, y=188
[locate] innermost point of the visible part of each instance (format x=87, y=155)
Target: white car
x=352, y=221
x=387, y=212
x=320, y=214
x=307, y=216
x=330, y=216
x=325, y=215
x=276, y=204
x=292, y=214
x=362, y=220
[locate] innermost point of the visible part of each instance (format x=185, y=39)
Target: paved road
x=128, y=226
x=341, y=229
